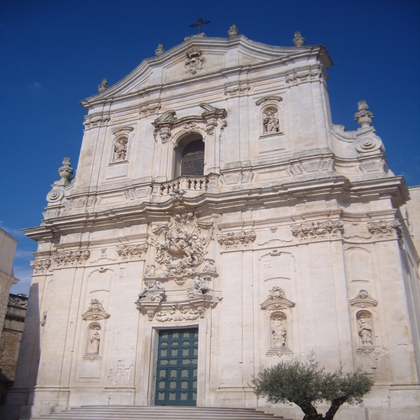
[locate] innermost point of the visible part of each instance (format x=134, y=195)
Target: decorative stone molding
x=152, y=292
x=276, y=300
x=180, y=248
x=238, y=89
x=131, y=251
x=318, y=230
x=71, y=257
x=41, y=266
x=363, y=300
x=304, y=76
x=92, y=358
x=203, y=124
x=194, y=61
x=92, y=122
x=149, y=108
x=385, y=228
x=237, y=238
x=95, y=312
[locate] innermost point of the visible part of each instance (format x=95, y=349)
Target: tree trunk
x=335, y=405
x=310, y=412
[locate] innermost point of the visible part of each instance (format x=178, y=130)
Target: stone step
x=157, y=412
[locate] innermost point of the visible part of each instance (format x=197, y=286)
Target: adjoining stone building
x=10, y=340
x=219, y=221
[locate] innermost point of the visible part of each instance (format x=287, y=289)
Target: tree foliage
x=306, y=384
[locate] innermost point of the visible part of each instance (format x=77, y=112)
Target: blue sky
x=54, y=53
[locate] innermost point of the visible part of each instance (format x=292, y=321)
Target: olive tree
x=306, y=384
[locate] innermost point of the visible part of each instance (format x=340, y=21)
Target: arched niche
x=189, y=156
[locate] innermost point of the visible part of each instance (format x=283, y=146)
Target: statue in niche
x=278, y=330
x=95, y=342
x=120, y=149
x=365, y=329
x=270, y=121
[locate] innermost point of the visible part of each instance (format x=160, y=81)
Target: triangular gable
x=193, y=58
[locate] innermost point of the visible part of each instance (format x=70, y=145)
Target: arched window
x=190, y=156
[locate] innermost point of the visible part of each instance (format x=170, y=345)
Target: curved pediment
x=196, y=57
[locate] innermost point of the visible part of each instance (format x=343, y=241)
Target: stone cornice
x=218, y=202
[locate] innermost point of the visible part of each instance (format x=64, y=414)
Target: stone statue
x=95, y=342
x=103, y=86
x=153, y=290
x=271, y=122
x=159, y=50
x=279, y=333
x=120, y=149
x=197, y=288
x=365, y=332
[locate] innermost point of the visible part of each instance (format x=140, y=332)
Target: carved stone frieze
x=304, y=76
x=385, y=228
x=194, y=61
x=91, y=122
x=92, y=358
x=237, y=89
x=71, y=257
x=131, y=251
x=95, y=311
x=232, y=239
x=363, y=300
x=276, y=300
x=41, y=266
x=180, y=249
x=318, y=230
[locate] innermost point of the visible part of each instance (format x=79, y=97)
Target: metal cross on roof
x=199, y=23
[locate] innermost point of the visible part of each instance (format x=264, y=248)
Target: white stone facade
x=288, y=238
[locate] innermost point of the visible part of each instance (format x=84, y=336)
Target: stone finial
x=363, y=116
x=159, y=50
x=103, y=86
x=233, y=31
x=298, y=40
x=66, y=170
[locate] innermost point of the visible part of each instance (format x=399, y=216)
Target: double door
x=176, y=380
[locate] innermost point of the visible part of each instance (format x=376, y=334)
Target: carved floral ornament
x=96, y=121
x=71, y=257
x=318, y=230
x=41, y=266
x=168, y=126
x=233, y=239
x=313, y=74
x=95, y=311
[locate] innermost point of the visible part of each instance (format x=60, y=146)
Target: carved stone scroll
x=363, y=300
x=277, y=300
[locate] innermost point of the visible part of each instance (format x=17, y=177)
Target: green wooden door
x=176, y=380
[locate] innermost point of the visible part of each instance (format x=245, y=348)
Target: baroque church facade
x=219, y=221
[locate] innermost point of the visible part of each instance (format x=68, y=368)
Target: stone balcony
x=189, y=184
